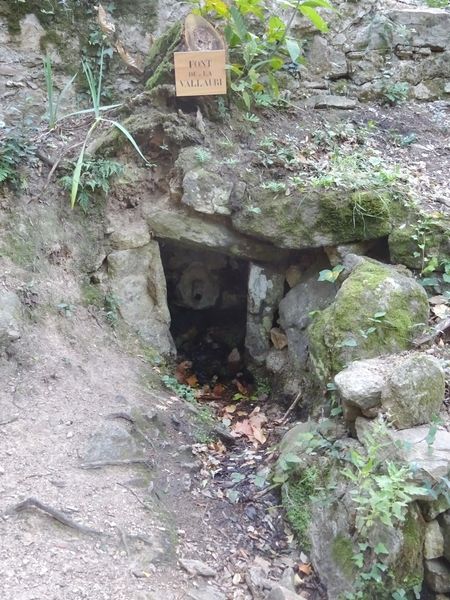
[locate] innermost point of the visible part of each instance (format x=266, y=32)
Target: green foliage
x=356, y=171
x=182, y=390
x=438, y=3
x=15, y=150
x=395, y=93
x=259, y=43
x=297, y=494
x=95, y=177
x=111, y=309
x=52, y=104
x=202, y=156
x=331, y=275
x=95, y=88
x=382, y=490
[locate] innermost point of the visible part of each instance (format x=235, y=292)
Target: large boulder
x=410, y=388
x=136, y=278
x=414, y=244
x=378, y=310
x=320, y=504
x=295, y=309
x=315, y=218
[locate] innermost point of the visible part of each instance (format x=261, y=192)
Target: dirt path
x=71, y=398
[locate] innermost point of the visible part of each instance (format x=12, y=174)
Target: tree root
x=34, y=503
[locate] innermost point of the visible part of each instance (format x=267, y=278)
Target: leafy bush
x=14, y=152
x=95, y=177
x=260, y=43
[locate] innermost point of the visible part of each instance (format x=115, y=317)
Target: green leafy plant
x=15, y=150
x=95, y=177
x=395, y=93
x=182, y=390
x=111, y=309
x=202, y=156
x=52, y=103
x=331, y=275
x=259, y=43
x=95, y=89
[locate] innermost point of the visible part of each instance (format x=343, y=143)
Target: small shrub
x=95, y=177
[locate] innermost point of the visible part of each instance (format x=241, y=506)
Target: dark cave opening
x=207, y=299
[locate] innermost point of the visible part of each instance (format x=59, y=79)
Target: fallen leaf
x=278, y=337
x=243, y=427
x=305, y=569
x=231, y=408
x=192, y=380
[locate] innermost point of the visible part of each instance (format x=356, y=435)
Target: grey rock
x=137, y=279
x=10, y=315
x=125, y=236
x=422, y=92
x=433, y=546
x=295, y=317
x=425, y=26
x=410, y=388
x=287, y=579
x=447, y=88
x=278, y=592
x=428, y=463
x=444, y=522
x=111, y=442
x=207, y=192
x=338, y=102
x=197, y=567
x=415, y=390
x=361, y=383
x=265, y=290
x=196, y=231
x=437, y=575
x=370, y=288
x=206, y=593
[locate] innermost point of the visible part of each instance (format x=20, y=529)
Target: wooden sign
x=200, y=73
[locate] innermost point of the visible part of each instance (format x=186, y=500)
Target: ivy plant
x=260, y=43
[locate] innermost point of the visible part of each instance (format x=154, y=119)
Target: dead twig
x=34, y=503
x=141, y=502
x=8, y=421
x=291, y=408
x=265, y=491
x=438, y=329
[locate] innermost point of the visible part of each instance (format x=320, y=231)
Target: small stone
x=339, y=102
x=447, y=88
x=437, y=575
x=434, y=541
x=278, y=338
x=197, y=567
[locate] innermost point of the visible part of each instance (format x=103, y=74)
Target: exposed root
x=34, y=503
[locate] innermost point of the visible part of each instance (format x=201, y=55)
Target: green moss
x=407, y=571
x=339, y=335
x=92, y=295
x=430, y=232
x=159, y=63
x=298, y=494
x=342, y=552
x=50, y=38
x=360, y=215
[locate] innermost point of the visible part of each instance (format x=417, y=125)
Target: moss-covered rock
x=159, y=63
x=317, y=218
x=415, y=244
x=377, y=311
